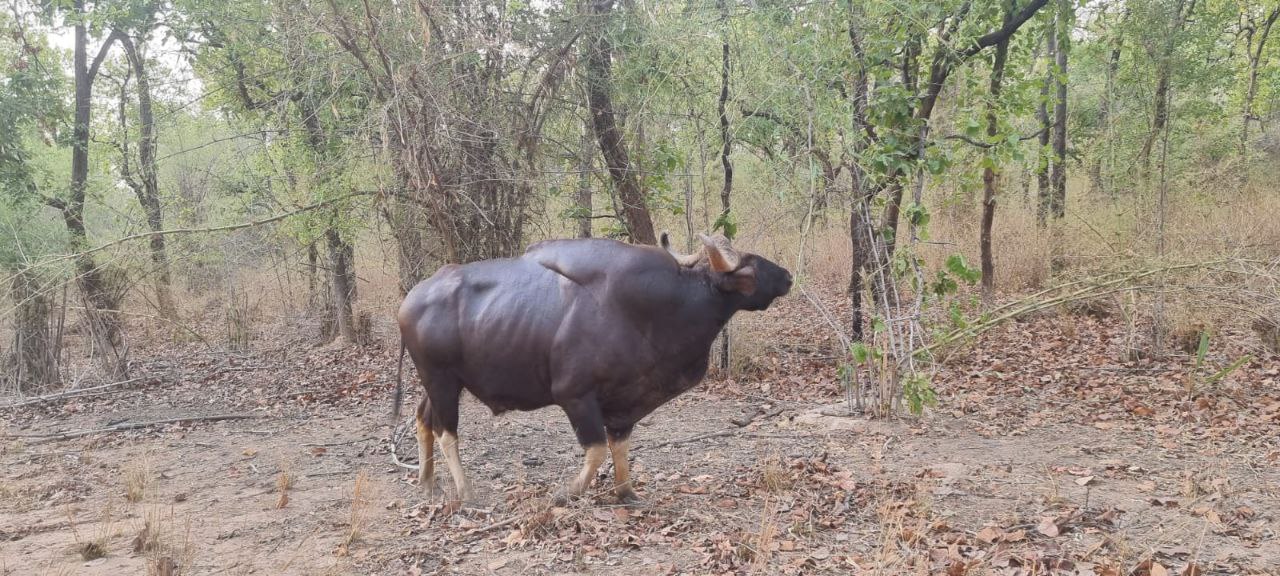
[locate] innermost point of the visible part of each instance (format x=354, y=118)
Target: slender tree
x=635, y=208
x=100, y=301
x=1106, y=103
x=146, y=185
x=1255, y=30
x=586, y=165
x=1065, y=19
x=1161, y=52
x=1044, y=193
x=990, y=174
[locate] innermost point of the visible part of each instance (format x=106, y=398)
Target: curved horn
x=722, y=256
x=686, y=260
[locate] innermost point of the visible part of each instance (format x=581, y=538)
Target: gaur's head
x=756, y=280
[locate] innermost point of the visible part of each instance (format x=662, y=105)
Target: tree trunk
x=343, y=280
x=312, y=256
x=148, y=192
x=35, y=364
x=1158, y=122
x=1255, y=54
x=726, y=140
x=1164, y=69
x=1059, y=202
x=341, y=254
x=1043, y=191
x=989, y=174
x=860, y=197
x=635, y=210
x=583, y=196
x=1104, y=107
x=100, y=303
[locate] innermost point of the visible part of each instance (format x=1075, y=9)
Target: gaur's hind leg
x=444, y=393
x=588, y=423
x=426, y=448
x=619, y=445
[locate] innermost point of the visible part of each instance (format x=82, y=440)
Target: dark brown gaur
x=607, y=331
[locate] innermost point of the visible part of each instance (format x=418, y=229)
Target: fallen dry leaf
x=1049, y=527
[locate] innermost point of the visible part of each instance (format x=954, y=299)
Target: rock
x=818, y=419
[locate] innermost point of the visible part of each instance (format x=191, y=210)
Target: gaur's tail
x=395, y=407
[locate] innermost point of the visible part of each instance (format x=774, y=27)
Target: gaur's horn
x=686, y=260
x=722, y=256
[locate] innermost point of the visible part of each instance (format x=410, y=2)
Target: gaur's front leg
x=619, y=445
x=588, y=424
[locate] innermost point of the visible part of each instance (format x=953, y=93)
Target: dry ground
x=1046, y=456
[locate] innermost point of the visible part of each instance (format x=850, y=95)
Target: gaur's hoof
x=628, y=498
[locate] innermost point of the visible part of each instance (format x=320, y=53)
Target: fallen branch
x=495, y=526
x=396, y=435
x=132, y=426
x=70, y=393
x=343, y=443
x=708, y=435
x=756, y=415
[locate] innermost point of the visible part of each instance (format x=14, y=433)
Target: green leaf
x=1223, y=373
x=917, y=215
x=957, y=265
x=726, y=224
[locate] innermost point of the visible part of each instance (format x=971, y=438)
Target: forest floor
x=1046, y=454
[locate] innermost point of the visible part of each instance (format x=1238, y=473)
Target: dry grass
x=136, y=478
x=96, y=545
x=240, y=325
x=362, y=496
x=1098, y=232
x=774, y=474
x=168, y=547
x=759, y=545
x=284, y=482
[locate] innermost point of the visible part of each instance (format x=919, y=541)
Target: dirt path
x=798, y=492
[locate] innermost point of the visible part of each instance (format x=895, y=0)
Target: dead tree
x=35, y=355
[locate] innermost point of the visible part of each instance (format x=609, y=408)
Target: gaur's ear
x=742, y=281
